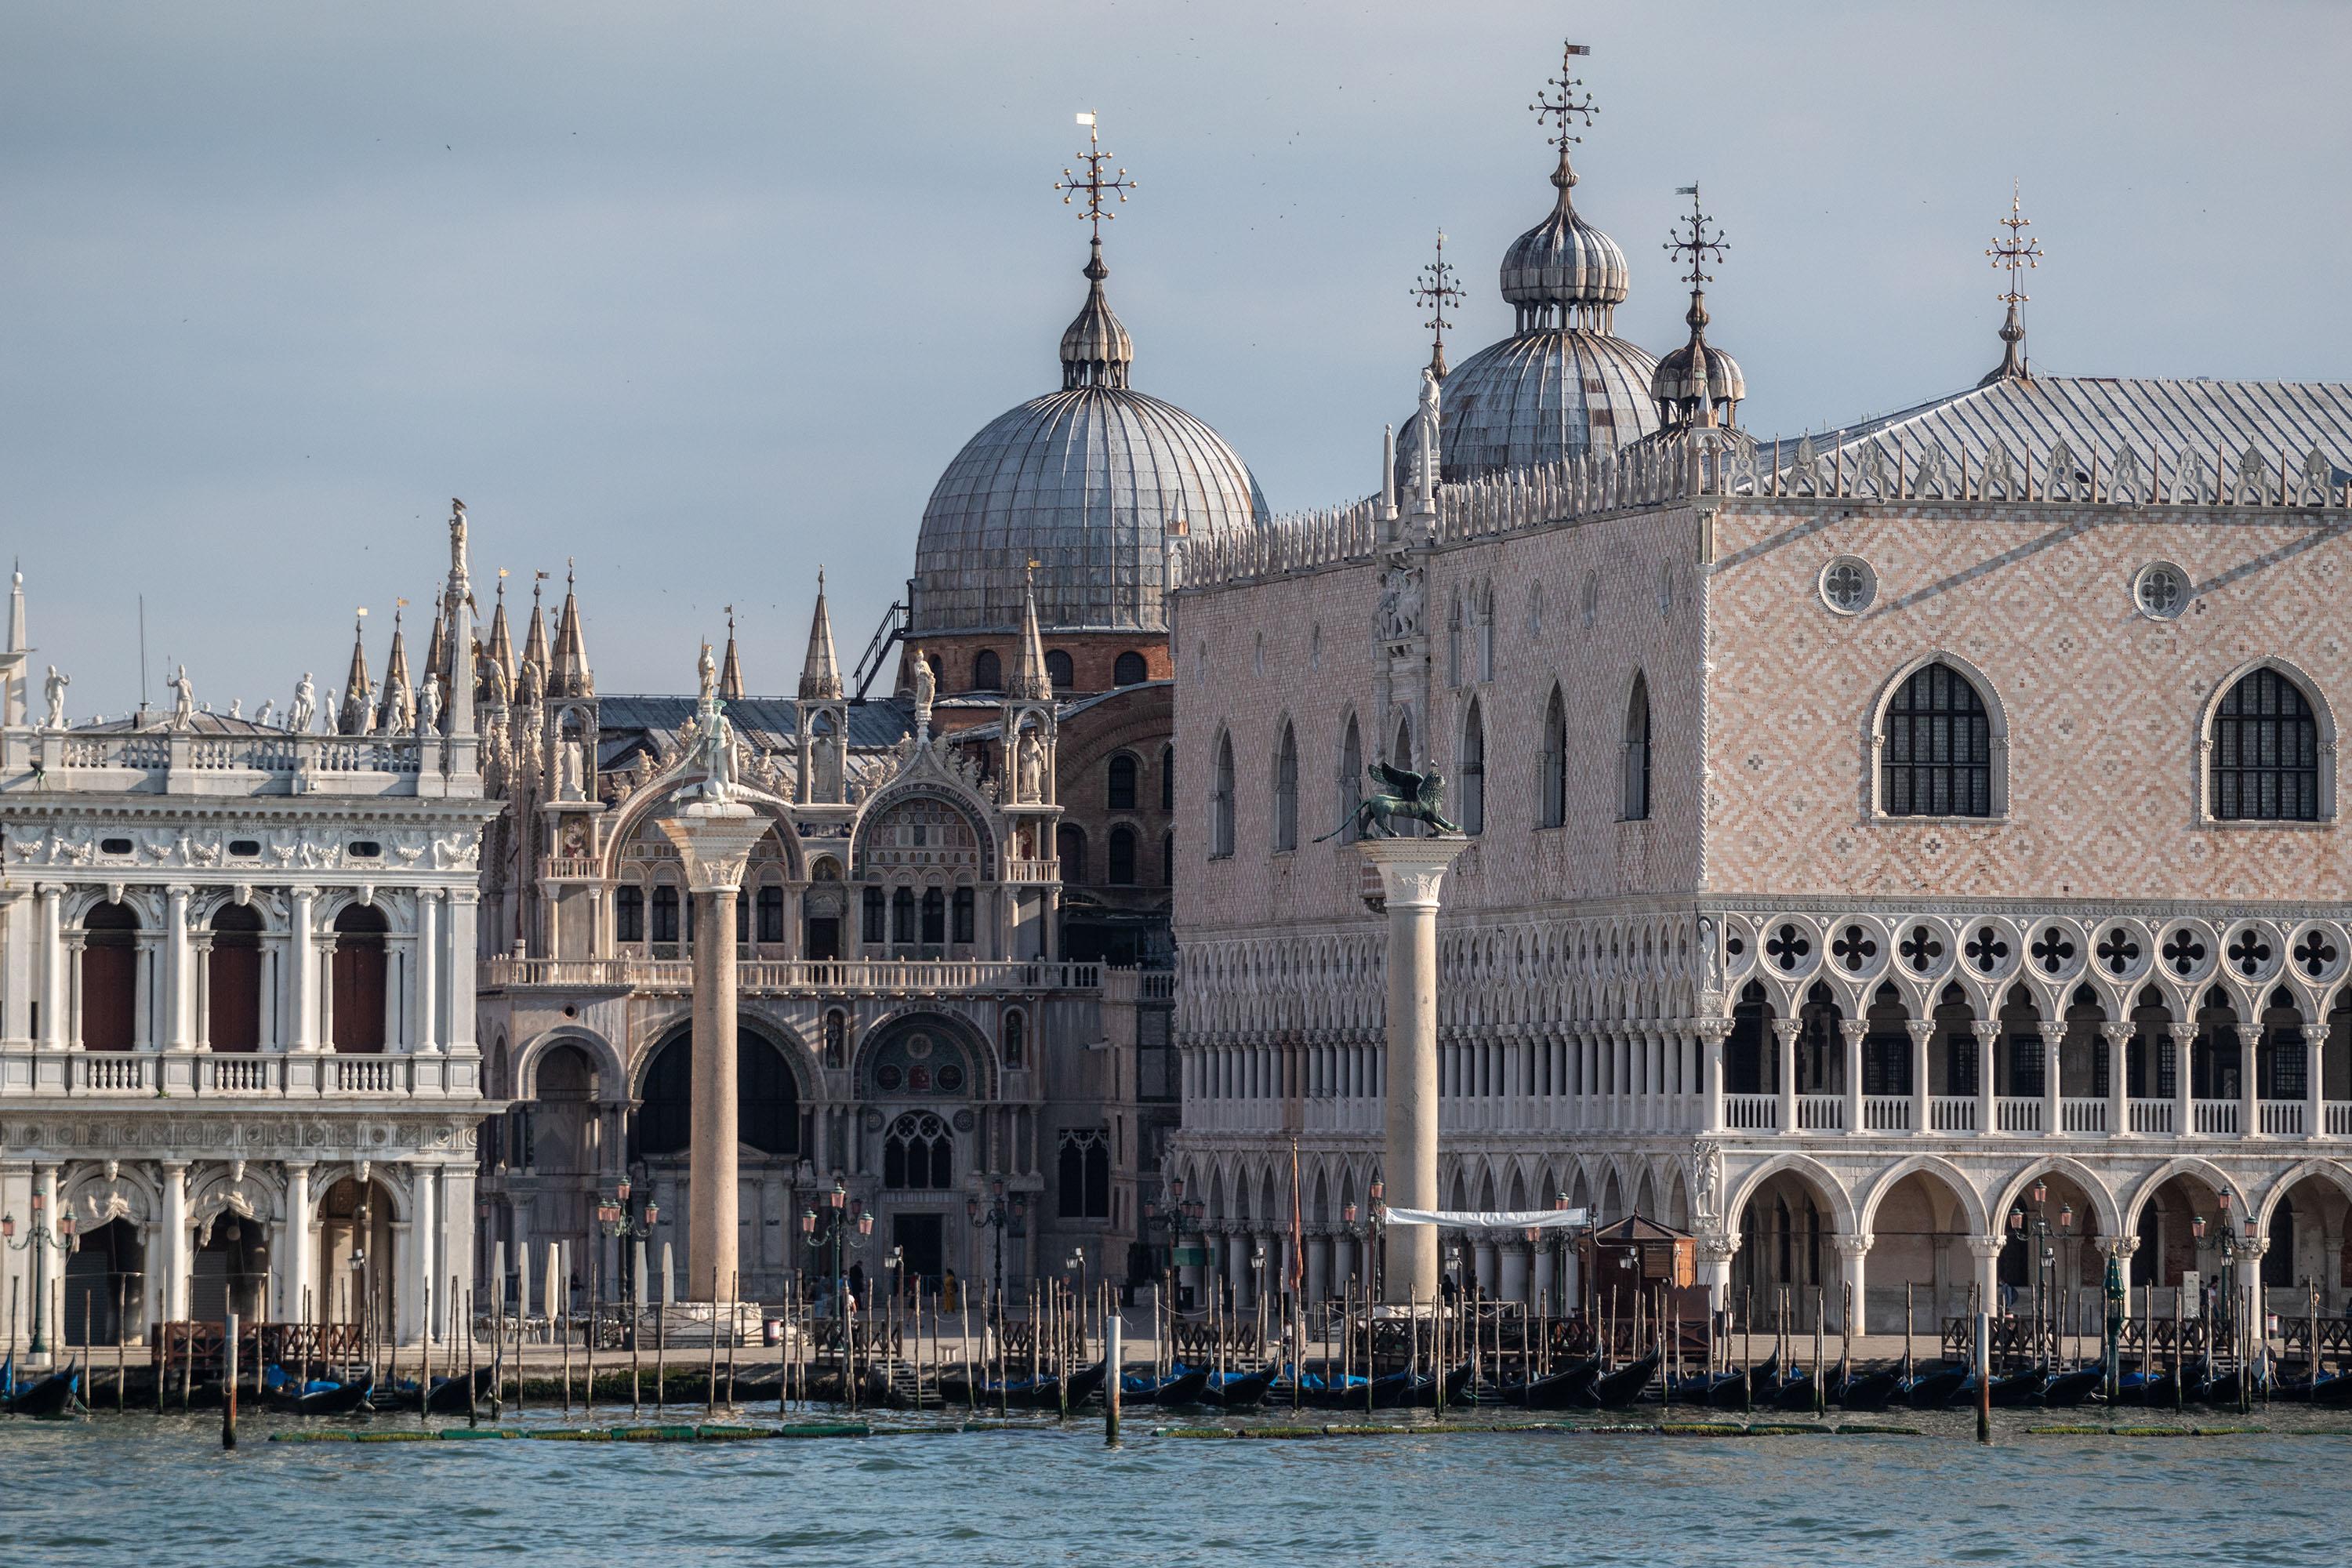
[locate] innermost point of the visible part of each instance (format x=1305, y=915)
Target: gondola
x=1736, y=1390
x=1934, y=1389
x=1796, y=1394
x=1085, y=1382
x=2019, y=1388
x=1424, y=1388
x=1180, y=1386
x=52, y=1396
x=318, y=1397
x=2223, y=1388
x=447, y=1396
x=1560, y=1390
x=2069, y=1389
x=2333, y=1391
x=1870, y=1390
x=1616, y=1390
x=1237, y=1390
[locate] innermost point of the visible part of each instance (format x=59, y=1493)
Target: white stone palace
x=1863, y=828
x=237, y=1068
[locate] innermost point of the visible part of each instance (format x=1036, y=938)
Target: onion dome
x=1564, y=269
x=1084, y=483
x=1697, y=384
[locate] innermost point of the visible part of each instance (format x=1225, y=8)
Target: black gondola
x=2335, y=1390
x=1181, y=1387
x=52, y=1396
x=446, y=1396
x=1870, y=1390
x=2019, y=1388
x=1238, y=1391
x=1616, y=1390
x=2069, y=1389
x=1796, y=1394
x=319, y=1397
x=1567, y=1389
x=1934, y=1389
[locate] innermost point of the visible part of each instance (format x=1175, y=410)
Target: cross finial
x=1696, y=243
x=1095, y=185
x=1436, y=288
x=2017, y=253
x=1565, y=108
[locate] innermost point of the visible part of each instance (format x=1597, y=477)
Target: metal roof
x=764, y=723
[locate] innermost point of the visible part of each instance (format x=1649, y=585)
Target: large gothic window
x=902, y=915
x=1285, y=791
x=1936, y=759
x=935, y=917
x=963, y=915
x=770, y=903
x=1552, y=796
x=1350, y=780
x=1083, y=1175
x=1221, y=801
x=1637, y=752
x=874, y=926
x=628, y=914
x=919, y=1153
x=665, y=913
x=1059, y=670
x=1473, y=771
x=2265, y=752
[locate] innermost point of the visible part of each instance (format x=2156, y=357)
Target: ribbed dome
x=1083, y=482
x=1563, y=260
x=1536, y=397
x=1676, y=386
x=1096, y=349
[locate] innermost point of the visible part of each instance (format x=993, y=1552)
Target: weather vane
x=1567, y=108
x=1436, y=288
x=2017, y=252
x=1094, y=185
x=1695, y=242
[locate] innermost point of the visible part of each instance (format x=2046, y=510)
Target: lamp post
x=995, y=1213
x=40, y=1238
x=2045, y=1254
x=841, y=1224
x=1372, y=1232
x=2239, y=1246
x=615, y=1221
x=1180, y=1216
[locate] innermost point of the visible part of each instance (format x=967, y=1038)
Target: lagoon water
x=156, y=1491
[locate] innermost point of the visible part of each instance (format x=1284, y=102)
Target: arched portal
x=1918, y=1257
x=355, y=1268
x=1786, y=1265
x=104, y=1278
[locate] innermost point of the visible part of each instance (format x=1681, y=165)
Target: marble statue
x=567, y=782
x=269, y=708
x=54, y=689
x=715, y=746
x=708, y=669
x=183, y=698
x=1031, y=783
x=306, y=704
x=428, y=705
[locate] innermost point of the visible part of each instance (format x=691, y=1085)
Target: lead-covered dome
x=1563, y=260
x=1084, y=482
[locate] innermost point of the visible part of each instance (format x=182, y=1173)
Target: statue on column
x=707, y=668
x=54, y=689
x=927, y=688
x=714, y=741
x=1402, y=796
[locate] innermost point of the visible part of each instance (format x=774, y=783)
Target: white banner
x=1502, y=1219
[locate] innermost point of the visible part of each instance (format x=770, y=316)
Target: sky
x=700, y=297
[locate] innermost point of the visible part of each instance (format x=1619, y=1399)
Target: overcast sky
x=708, y=295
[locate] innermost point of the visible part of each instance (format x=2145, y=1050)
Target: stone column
x=1715, y=1249
x=301, y=976
x=427, y=1035
x=1412, y=874
x=408, y=1276
x=179, y=988
x=1986, y=1250
x=2315, y=1047
x=1852, y=1030
x=2118, y=1039
x=176, y=1240
x=2249, y=1107
x=714, y=837
x=1988, y=1034
x=1786, y=1031
x=52, y=1033
x=1853, y=1250
x=420, y=1265
x=2053, y=1079
x=1712, y=1033
x=294, y=1254
x=1923, y=1035
x=2184, y=1111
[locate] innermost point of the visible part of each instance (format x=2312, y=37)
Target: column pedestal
x=714, y=837
x=1412, y=874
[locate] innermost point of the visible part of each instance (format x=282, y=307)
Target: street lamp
x=2045, y=1253
x=1372, y=1232
x=40, y=1238
x=995, y=1213
x=842, y=1224
x=614, y=1220
x=1180, y=1216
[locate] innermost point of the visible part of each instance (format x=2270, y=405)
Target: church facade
x=1880, y=843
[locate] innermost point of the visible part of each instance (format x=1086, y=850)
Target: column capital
x=1855, y=1244
x=1985, y=1029
x=2118, y=1246
x=1713, y=1031
x=1987, y=1246
x=715, y=841
x=1411, y=870
x=1786, y=1029
x=1854, y=1030
x=1920, y=1029
x=2183, y=1034
x=2119, y=1034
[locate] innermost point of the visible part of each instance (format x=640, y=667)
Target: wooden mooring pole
x=228, y=1385
x=1984, y=1376
x=1110, y=1383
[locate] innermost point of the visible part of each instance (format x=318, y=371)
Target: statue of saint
x=54, y=689
x=1032, y=780
x=184, y=699
x=305, y=704
x=567, y=783
x=715, y=743
x=708, y=669
x=927, y=684
x=428, y=705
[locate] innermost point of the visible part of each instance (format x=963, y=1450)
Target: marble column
x=714, y=837
x=420, y=1264
x=301, y=973
x=1412, y=874
x=1785, y=1030
x=1923, y=1033
x=294, y=1257
x=52, y=1032
x=1988, y=1034
x=1715, y=1252
x=2184, y=1049
x=176, y=1240
x=2053, y=1079
x=178, y=976
x=1712, y=1034
x=1852, y=1031
x=1986, y=1250
x=2250, y=1109
x=427, y=1030
x=2118, y=1037
x=1853, y=1250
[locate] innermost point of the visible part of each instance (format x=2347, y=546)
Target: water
x=158, y=1491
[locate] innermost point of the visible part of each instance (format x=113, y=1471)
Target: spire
x=2015, y=255
x=357, y=687
x=730, y=668
x=820, y=671
x=534, y=638
x=1030, y=681
x=569, y=675
x=462, y=751
x=436, y=648
x=1437, y=289
x=501, y=649
x=1096, y=349
x=398, y=714
x=17, y=610
x=1698, y=386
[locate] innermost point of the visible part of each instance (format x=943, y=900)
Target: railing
x=109, y=1072
x=2076, y=1115
x=1752, y=1112
x=2150, y=1115
x=1886, y=1112
x=2016, y=1113
x=572, y=866
x=2213, y=1116
x=2337, y=1115
x=2282, y=1117
x=367, y=1075
x=268, y=752
x=1820, y=1113
x=1951, y=1113
x=241, y=1075
x=798, y=975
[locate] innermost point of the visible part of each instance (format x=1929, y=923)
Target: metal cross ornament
x=1694, y=242
x=1567, y=106
x=1436, y=288
x=1094, y=186
x=2016, y=253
